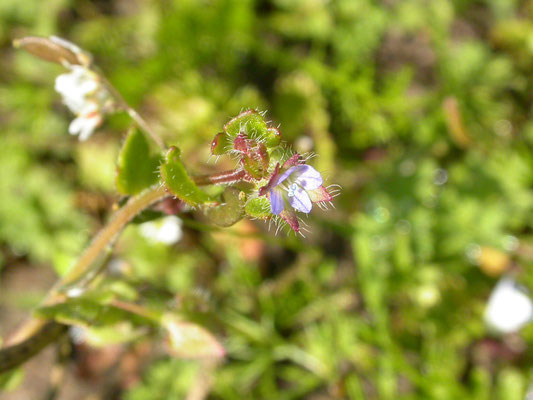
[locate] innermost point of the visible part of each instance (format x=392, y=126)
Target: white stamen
x=292, y=189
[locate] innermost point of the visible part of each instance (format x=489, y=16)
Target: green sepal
x=220, y=144
x=258, y=207
x=178, y=182
x=229, y=212
x=249, y=122
x=273, y=137
x=137, y=165
x=255, y=163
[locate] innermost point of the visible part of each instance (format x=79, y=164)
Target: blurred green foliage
x=421, y=110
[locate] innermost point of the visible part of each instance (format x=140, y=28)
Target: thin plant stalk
x=36, y=333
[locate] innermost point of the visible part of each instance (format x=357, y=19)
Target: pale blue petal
x=301, y=201
x=286, y=174
x=276, y=202
x=308, y=177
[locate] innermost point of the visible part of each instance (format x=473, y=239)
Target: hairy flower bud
x=54, y=49
x=284, y=184
x=244, y=133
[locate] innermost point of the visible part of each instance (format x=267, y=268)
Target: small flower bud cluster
x=82, y=89
x=85, y=95
x=283, y=183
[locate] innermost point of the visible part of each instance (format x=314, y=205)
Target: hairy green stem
x=225, y=177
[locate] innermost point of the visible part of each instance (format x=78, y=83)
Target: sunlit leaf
x=137, y=166
x=178, y=182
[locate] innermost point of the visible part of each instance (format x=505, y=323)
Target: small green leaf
x=178, y=182
x=258, y=207
x=231, y=211
x=137, y=166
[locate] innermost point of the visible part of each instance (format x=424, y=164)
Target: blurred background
x=420, y=110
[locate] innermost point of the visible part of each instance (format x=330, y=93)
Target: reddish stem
x=227, y=177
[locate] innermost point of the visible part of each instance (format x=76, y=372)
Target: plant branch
x=14, y=355
x=123, y=104
x=104, y=239
x=226, y=177
x=36, y=333
x=143, y=125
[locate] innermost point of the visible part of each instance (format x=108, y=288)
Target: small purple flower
x=293, y=186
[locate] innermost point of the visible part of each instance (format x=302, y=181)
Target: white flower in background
x=166, y=230
x=76, y=86
x=78, y=334
x=86, y=122
x=509, y=307
x=85, y=95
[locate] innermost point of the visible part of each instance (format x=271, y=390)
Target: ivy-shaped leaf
x=178, y=182
x=137, y=166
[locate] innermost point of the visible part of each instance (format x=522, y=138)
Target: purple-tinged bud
x=255, y=161
x=241, y=143
x=244, y=132
x=296, y=159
